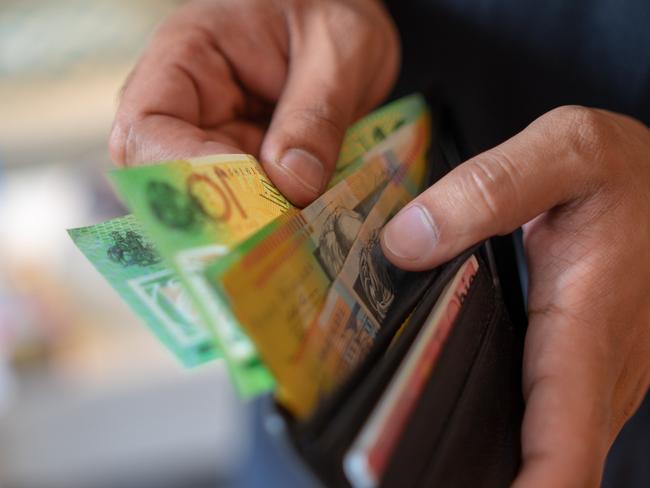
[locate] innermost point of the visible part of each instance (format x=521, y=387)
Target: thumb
x=328, y=85
x=549, y=164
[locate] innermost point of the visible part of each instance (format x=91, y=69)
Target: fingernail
x=411, y=234
x=305, y=168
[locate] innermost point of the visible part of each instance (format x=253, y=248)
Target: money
x=276, y=282
x=197, y=211
x=359, y=299
x=122, y=253
x=373, y=129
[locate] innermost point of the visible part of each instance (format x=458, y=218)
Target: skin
x=278, y=79
x=577, y=179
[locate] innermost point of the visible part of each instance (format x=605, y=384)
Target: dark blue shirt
x=501, y=63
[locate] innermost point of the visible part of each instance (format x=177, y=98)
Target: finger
x=326, y=89
x=179, y=77
x=551, y=163
x=198, y=69
x=158, y=137
x=566, y=428
x=562, y=437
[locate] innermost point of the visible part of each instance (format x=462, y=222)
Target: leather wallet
x=455, y=420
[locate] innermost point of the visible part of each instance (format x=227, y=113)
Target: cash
x=121, y=251
x=360, y=297
x=218, y=263
x=277, y=282
x=196, y=211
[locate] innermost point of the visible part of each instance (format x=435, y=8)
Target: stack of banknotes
x=219, y=264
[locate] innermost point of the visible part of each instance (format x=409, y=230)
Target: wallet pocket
x=452, y=387
x=464, y=430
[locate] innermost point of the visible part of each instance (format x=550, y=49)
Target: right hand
x=278, y=79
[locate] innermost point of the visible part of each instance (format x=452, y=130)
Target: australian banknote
x=359, y=299
x=371, y=130
x=196, y=211
x=123, y=254
x=183, y=204
x=276, y=282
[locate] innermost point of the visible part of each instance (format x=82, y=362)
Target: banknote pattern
x=277, y=279
x=122, y=252
x=373, y=129
x=196, y=210
x=358, y=300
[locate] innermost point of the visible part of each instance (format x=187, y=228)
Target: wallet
x=437, y=402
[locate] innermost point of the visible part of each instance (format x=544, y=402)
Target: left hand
x=579, y=179
x=277, y=79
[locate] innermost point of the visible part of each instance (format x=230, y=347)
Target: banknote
x=276, y=282
x=122, y=253
x=370, y=452
x=373, y=129
x=195, y=211
x=220, y=194
x=359, y=298
x=197, y=215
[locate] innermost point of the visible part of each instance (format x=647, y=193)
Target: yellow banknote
x=278, y=283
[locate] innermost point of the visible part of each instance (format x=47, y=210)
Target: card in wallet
x=437, y=400
x=367, y=458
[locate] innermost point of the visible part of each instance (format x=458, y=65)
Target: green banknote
x=196, y=210
x=373, y=129
x=130, y=262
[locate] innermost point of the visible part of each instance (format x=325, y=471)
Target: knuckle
x=345, y=24
x=122, y=142
x=323, y=119
x=355, y=20
x=117, y=144
x=367, y=32
x=346, y=15
x=195, y=45
x=490, y=183
x=583, y=129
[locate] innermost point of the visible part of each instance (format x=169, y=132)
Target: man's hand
x=280, y=79
x=580, y=181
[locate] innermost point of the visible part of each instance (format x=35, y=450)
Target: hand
x=279, y=79
x=580, y=181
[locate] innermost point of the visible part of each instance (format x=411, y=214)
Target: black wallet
x=461, y=425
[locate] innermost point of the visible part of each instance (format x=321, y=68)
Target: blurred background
x=88, y=397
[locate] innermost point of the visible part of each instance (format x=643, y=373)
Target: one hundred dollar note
x=122, y=253
x=277, y=281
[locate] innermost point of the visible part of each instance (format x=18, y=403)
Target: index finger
x=176, y=99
